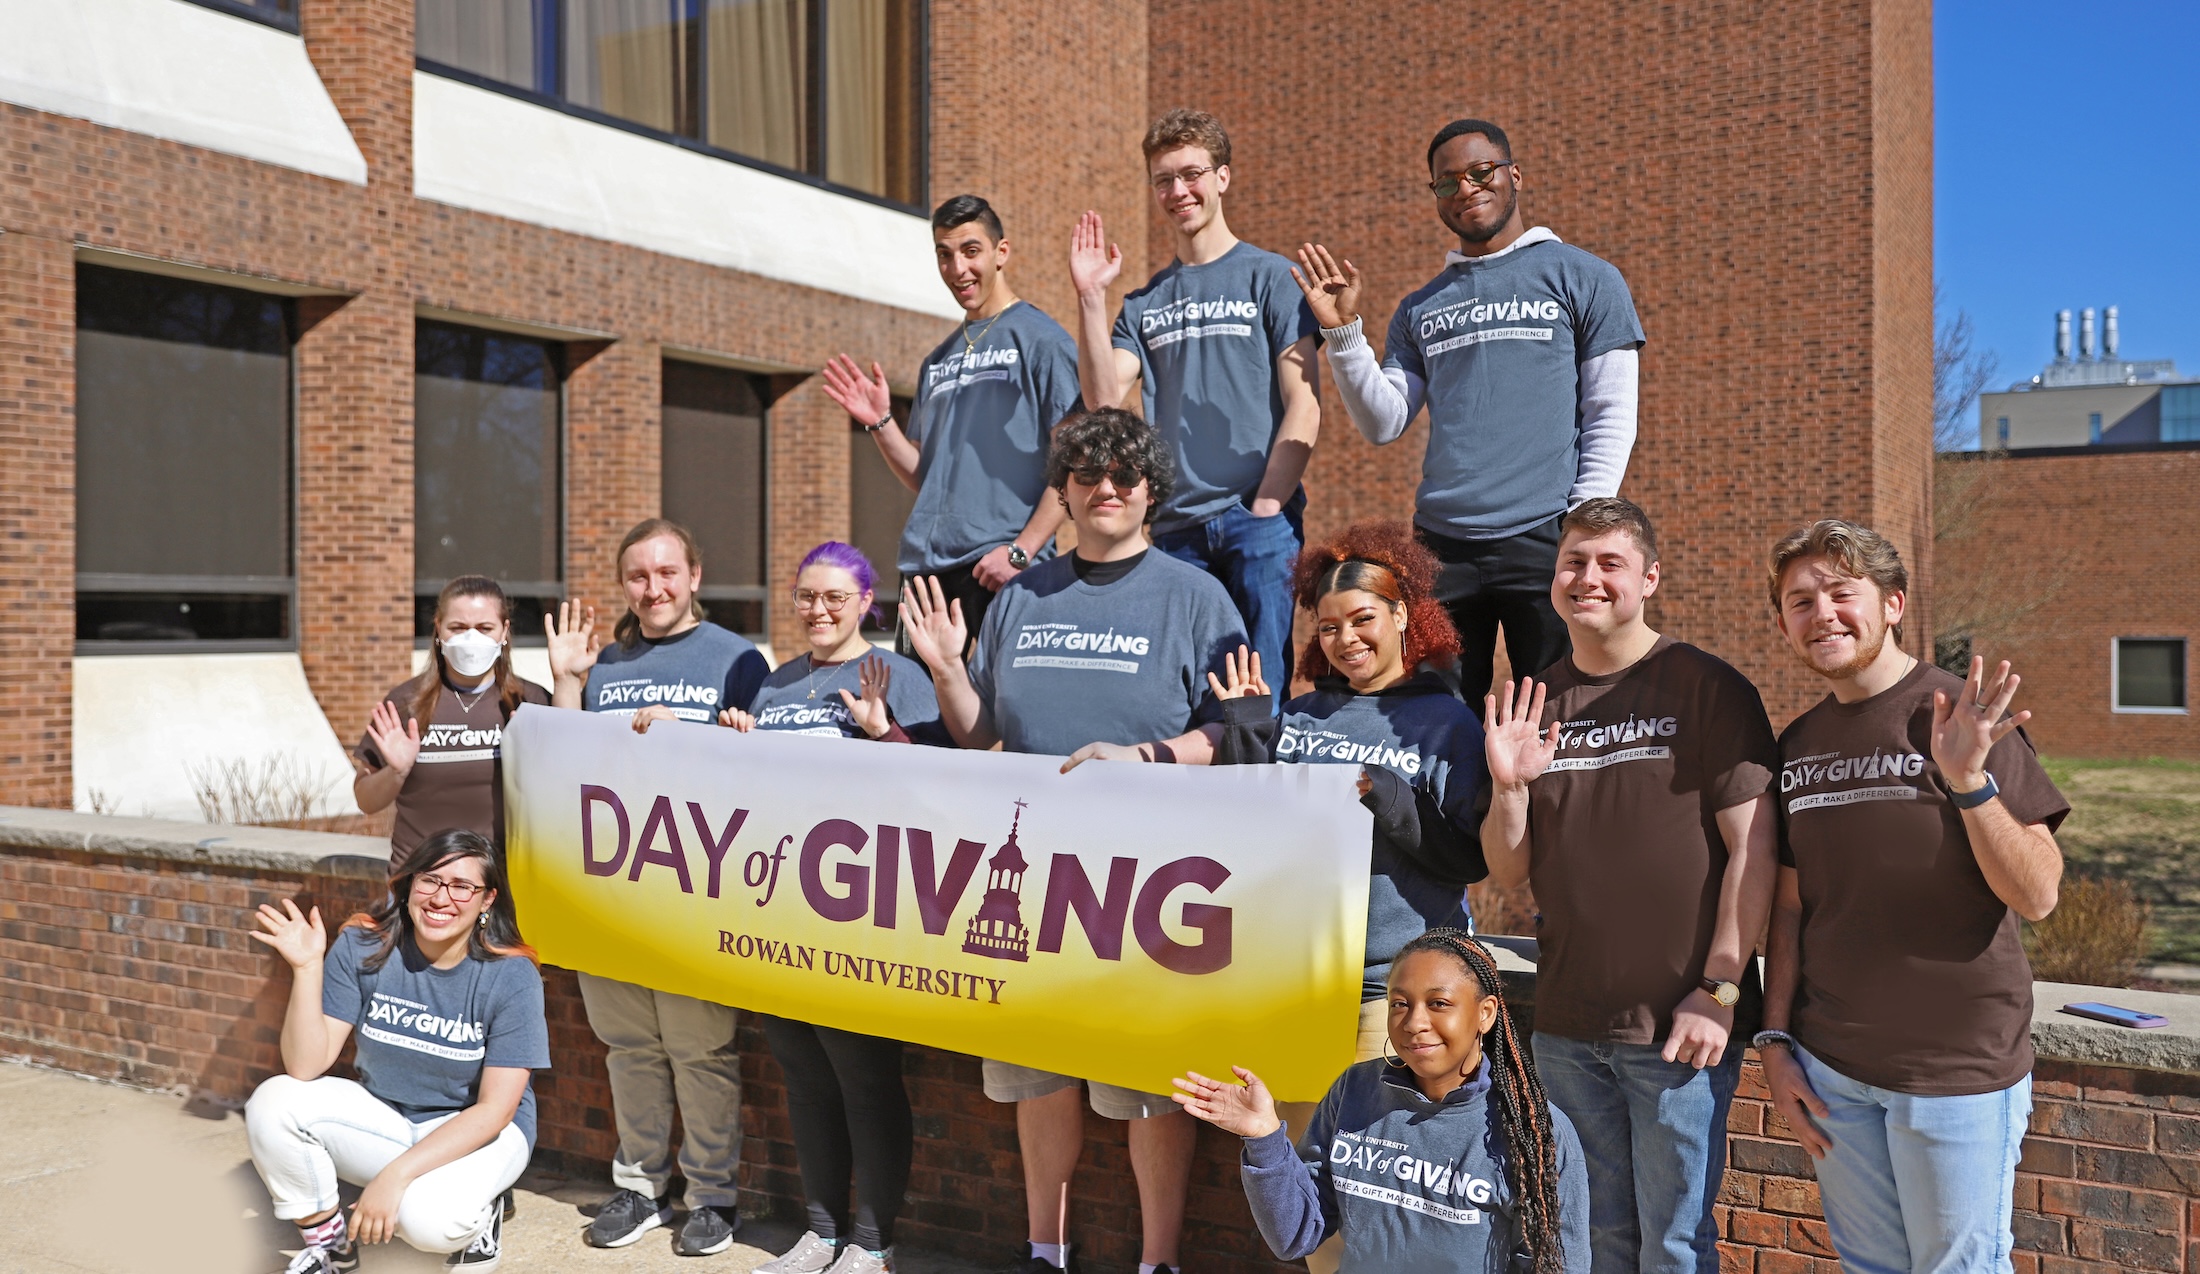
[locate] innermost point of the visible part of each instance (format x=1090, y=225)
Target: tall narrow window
x=183, y=461
x=2149, y=674
x=714, y=485
x=878, y=509
x=628, y=58
x=2001, y=432
x=486, y=461
x=871, y=97
x=2093, y=426
x=757, y=94
x=492, y=38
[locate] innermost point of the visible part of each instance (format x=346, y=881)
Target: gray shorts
x=1006, y=1082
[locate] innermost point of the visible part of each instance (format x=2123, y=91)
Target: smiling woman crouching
x=448, y=1006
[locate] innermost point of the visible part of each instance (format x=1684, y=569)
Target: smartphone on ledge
x=2117, y=1016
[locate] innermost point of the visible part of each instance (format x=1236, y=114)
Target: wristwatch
x=1017, y=557
x=1726, y=993
x=1973, y=799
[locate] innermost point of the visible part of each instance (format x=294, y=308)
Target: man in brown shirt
x=1633, y=789
x=1916, y=827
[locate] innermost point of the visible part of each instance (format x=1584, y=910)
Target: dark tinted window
x=713, y=469
x=878, y=509
x=2150, y=674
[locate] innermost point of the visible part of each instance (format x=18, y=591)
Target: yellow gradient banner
x=1120, y=923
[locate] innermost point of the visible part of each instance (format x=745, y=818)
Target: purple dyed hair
x=848, y=558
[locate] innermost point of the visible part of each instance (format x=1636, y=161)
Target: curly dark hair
x=1385, y=559
x=1114, y=440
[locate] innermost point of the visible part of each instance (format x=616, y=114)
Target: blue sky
x=2067, y=172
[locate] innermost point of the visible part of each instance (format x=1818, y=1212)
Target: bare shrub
x=273, y=791
x=2096, y=936
x=98, y=800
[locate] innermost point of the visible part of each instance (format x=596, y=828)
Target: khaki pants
x=669, y=1053
x=1296, y=1115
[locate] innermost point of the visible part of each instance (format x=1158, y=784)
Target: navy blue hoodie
x=1422, y=750
x=1411, y=1183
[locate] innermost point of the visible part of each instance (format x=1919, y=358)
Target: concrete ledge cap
x=262, y=848
x=2067, y=1038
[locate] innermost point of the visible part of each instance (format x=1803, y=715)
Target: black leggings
x=850, y=1116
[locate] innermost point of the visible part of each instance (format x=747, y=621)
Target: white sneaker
x=855, y=1260
x=809, y=1255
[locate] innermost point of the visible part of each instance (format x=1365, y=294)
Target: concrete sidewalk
x=101, y=1179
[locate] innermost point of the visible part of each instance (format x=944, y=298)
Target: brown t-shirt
x=458, y=780
x=1625, y=852
x=1913, y=978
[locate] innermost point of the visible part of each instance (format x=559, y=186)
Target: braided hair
x=1523, y=1113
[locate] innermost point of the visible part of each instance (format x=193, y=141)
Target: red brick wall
x=37, y=512
x=1760, y=174
x=2070, y=552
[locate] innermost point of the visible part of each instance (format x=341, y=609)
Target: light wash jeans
x=307, y=1135
x=1653, y=1134
x=1918, y=1185
x=1254, y=558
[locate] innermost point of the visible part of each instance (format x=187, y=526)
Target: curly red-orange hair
x=1405, y=573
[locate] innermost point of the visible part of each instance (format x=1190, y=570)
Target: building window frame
x=550, y=63
x=2116, y=677
x=282, y=19
x=760, y=593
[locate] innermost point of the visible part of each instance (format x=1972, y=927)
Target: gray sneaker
x=809, y=1255
x=855, y=1260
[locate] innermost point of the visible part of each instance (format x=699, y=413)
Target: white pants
x=309, y=1134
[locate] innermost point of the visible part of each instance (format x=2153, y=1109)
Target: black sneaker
x=1032, y=1263
x=509, y=1203
x=709, y=1231
x=325, y=1260
x=627, y=1216
x=486, y=1251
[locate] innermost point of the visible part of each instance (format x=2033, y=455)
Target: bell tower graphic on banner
x=998, y=928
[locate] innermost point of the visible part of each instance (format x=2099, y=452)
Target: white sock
x=1147, y=1267
x=1054, y=1254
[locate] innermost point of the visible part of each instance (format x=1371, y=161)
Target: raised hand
x=866, y=398
x=1517, y=751
x=1241, y=676
x=935, y=625
x=740, y=721
x=874, y=675
x=573, y=641
x=1094, y=263
x=1966, y=730
x=397, y=739
x=298, y=938
x=1332, y=292
x=1244, y=1108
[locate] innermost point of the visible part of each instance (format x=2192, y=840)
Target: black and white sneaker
x=1031, y=1262
x=321, y=1259
x=709, y=1231
x=486, y=1251
x=627, y=1216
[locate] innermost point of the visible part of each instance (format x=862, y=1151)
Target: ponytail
x=1523, y=1113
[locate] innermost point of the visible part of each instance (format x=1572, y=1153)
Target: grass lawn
x=2139, y=821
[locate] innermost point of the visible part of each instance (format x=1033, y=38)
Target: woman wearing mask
x=434, y=744
x=434, y=1132
x=1449, y=1155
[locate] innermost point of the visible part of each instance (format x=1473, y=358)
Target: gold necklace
x=972, y=345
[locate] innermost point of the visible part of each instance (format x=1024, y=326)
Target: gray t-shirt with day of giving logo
x=802, y=697
x=1207, y=339
x=1500, y=343
x=694, y=673
x=980, y=422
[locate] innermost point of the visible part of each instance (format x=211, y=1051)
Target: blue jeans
x=1654, y=1135
x=1918, y=1185
x=1254, y=558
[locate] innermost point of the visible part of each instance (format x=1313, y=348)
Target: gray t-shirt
x=426, y=1033
x=1500, y=344
x=694, y=673
x=1207, y=339
x=1062, y=663
x=980, y=423
x=804, y=698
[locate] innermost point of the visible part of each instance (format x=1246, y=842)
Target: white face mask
x=471, y=653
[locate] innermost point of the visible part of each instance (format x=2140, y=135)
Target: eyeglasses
x=461, y=891
x=1123, y=476
x=1481, y=175
x=1189, y=176
x=835, y=600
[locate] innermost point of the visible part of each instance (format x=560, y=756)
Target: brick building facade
x=1787, y=374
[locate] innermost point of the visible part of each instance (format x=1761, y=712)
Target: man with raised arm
x=1224, y=347
x=1633, y=788
x=975, y=451
x=1524, y=349
x=1917, y=826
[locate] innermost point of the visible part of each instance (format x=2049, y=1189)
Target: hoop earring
x=1388, y=1055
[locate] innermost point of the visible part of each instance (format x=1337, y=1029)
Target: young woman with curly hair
x=1444, y=1154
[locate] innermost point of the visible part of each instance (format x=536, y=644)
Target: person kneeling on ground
x=1445, y=1157
x=442, y=1119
